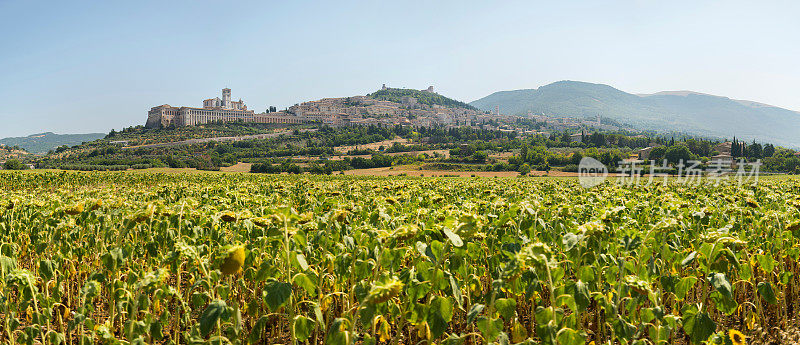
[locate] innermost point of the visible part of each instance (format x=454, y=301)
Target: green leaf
x=215, y=310
x=366, y=314
x=699, y=326
x=567, y=300
x=301, y=262
x=547, y=332
x=440, y=313
x=302, y=327
x=425, y=251
x=518, y=333
x=258, y=328
x=456, y=291
x=368, y=340
x=90, y=289
x=745, y=272
x=724, y=303
x=766, y=292
x=568, y=336
x=338, y=333
x=46, y=269
x=683, y=287
x=569, y=241
x=113, y=259
x=453, y=237
x=659, y=334
x=689, y=259
x=318, y=315
x=587, y=274
x=490, y=328
x=507, y=307
x=436, y=250
x=623, y=329
x=7, y=265
x=721, y=283
x=786, y=277
x=767, y=262
x=474, y=311
x=276, y=293
x=581, y=295
x=668, y=283
x=303, y=281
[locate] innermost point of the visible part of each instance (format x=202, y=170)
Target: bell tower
x=226, y=98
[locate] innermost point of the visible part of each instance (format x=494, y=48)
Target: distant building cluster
x=362, y=110
x=213, y=110
x=572, y=123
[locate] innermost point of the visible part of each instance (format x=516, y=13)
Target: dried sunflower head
x=74, y=209
x=228, y=216
x=383, y=292
x=233, y=260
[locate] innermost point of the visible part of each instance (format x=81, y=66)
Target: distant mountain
x=427, y=97
x=683, y=111
x=43, y=142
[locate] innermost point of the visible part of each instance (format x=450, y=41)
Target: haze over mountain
x=43, y=142
x=685, y=111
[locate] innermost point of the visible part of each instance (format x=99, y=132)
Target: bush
x=524, y=169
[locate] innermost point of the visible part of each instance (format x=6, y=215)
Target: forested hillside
x=43, y=142
x=689, y=112
x=422, y=97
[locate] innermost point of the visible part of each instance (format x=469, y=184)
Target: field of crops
x=142, y=258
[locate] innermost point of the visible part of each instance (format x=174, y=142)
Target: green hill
x=422, y=97
x=10, y=152
x=43, y=142
x=685, y=111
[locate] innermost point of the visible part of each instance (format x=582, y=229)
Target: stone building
x=213, y=110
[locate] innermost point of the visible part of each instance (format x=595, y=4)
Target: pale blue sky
x=78, y=66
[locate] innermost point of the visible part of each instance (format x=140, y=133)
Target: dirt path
x=238, y=167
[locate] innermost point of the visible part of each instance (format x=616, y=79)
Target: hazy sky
x=78, y=67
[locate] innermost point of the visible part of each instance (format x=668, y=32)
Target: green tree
x=768, y=151
x=657, y=153
x=14, y=164
x=678, y=153
x=754, y=150
x=480, y=156
x=524, y=169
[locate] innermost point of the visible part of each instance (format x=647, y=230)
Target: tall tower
x=226, y=98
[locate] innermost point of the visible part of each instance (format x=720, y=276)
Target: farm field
x=157, y=258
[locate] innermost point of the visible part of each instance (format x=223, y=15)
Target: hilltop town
x=388, y=106
x=385, y=107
